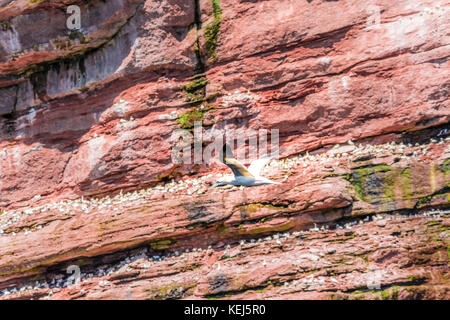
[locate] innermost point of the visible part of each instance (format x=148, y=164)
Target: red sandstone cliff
x=358, y=91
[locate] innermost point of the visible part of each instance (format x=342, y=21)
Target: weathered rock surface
x=391, y=258
x=87, y=114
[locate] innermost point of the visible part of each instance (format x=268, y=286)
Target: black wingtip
x=226, y=153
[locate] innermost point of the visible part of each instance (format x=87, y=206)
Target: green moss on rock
x=389, y=187
x=187, y=119
x=406, y=184
x=221, y=228
x=254, y=207
x=195, y=85
x=360, y=177
x=385, y=295
x=268, y=229
x=171, y=291
x=445, y=169
x=212, y=30
x=162, y=244
x=5, y=25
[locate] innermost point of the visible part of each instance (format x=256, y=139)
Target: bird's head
x=218, y=184
x=222, y=182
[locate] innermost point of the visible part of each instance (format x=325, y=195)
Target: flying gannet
x=242, y=176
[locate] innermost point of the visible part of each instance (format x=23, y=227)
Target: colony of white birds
x=198, y=186
x=59, y=281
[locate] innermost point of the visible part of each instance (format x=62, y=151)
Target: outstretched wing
x=257, y=165
x=226, y=156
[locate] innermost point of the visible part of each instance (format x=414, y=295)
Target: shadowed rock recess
x=359, y=91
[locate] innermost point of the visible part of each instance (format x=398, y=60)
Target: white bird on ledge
x=242, y=176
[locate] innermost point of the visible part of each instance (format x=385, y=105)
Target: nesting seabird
x=243, y=176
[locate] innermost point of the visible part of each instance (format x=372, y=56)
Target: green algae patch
x=250, y=208
x=5, y=25
x=334, y=296
x=172, y=291
x=384, y=186
x=212, y=30
x=195, y=91
x=414, y=278
x=268, y=229
x=406, y=184
x=221, y=228
x=195, y=85
x=445, y=166
x=389, y=187
x=439, y=197
x=389, y=294
x=188, y=119
x=362, y=178
x=445, y=169
x=162, y=244
x=394, y=293
x=195, y=114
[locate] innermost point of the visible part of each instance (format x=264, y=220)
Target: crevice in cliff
x=197, y=49
x=9, y=125
x=409, y=135
x=230, y=293
x=425, y=201
x=196, y=89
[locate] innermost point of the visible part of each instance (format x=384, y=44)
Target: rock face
x=358, y=92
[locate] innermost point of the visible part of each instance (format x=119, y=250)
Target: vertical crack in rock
x=198, y=25
x=10, y=124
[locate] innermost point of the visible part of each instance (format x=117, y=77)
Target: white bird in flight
x=243, y=176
